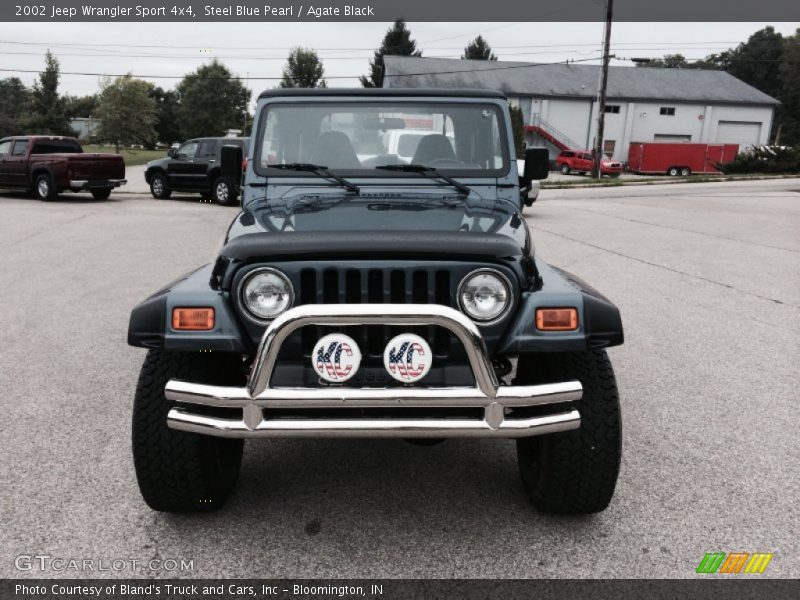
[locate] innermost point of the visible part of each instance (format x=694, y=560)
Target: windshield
x=357, y=137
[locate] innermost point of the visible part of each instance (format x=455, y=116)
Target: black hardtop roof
x=382, y=92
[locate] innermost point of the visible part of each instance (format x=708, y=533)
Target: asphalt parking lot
x=707, y=277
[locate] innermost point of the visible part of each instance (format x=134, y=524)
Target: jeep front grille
x=376, y=286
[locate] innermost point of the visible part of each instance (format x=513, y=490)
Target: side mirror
x=231, y=158
x=537, y=165
x=171, y=153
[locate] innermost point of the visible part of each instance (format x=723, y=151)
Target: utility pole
x=601, y=100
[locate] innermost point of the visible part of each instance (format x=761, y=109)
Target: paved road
x=706, y=277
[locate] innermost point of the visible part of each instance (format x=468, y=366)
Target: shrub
x=765, y=159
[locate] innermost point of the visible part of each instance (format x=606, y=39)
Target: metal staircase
x=546, y=131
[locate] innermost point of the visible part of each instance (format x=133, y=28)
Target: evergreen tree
x=303, y=70
x=47, y=114
x=478, y=49
x=518, y=129
x=396, y=42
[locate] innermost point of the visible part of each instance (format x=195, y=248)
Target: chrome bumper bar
x=99, y=183
x=257, y=398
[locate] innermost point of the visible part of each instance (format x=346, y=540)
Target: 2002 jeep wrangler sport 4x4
x=360, y=294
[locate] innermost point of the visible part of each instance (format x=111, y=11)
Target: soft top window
x=356, y=137
x=56, y=147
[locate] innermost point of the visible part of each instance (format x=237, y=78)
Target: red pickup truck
x=581, y=161
x=49, y=165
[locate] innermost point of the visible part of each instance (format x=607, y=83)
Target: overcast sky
x=260, y=49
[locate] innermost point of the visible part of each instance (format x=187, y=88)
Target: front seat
x=433, y=147
x=335, y=151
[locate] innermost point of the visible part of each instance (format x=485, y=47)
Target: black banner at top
x=388, y=10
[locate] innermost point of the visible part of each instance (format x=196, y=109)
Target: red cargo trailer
x=678, y=159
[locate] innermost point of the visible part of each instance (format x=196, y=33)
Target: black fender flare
x=599, y=320
x=150, y=321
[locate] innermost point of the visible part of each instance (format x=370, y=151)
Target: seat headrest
x=334, y=150
x=434, y=147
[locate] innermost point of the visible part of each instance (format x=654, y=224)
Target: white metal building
x=86, y=127
x=559, y=102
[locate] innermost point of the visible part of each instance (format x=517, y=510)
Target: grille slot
x=375, y=286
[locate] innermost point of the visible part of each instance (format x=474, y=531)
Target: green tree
x=211, y=101
x=80, y=106
x=47, y=114
x=757, y=61
x=668, y=61
x=303, y=70
x=396, y=42
x=166, y=123
x=478, y=49
x=126, y=111
x=789, y=130
x=14, y=101
x=518, y=129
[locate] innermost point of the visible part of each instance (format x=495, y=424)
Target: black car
x=360, y=293
x=195, y=167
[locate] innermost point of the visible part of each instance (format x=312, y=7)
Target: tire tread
x=577, y=470
x=178, y=471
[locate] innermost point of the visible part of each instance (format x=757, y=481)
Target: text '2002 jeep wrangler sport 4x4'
x=360, y=294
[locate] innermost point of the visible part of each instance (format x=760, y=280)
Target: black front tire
x=179, y=471
x=574, y=472
x=44, y=188
x=101, y=194
x=159, y=187
x=565, y=169
x=224, y=191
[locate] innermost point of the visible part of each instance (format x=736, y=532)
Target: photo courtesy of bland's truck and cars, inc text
x=399, y=301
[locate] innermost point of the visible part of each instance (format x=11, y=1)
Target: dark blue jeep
x=378, y=285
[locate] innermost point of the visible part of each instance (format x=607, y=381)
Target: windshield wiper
x=320, y=171
x=430, y=172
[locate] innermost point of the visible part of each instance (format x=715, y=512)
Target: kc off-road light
x=556, y=319
x=266, y=293
x=484, y=295
x=193, y=319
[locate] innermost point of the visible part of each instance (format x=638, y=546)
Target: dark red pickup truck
x=49, y=165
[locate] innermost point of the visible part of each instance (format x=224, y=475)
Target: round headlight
x=266, y=293
x=484, y=295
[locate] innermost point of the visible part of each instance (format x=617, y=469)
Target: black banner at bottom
x=391, y=589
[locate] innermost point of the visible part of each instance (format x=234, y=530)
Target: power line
x=270, y=78
x=104, y=47
x=326, y=58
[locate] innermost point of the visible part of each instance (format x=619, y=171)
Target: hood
x=354, y=214
x=371, y=227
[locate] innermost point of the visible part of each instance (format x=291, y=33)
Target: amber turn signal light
x=193, y=319
x=556, y=319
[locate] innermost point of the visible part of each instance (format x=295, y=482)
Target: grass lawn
x=131, y=157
